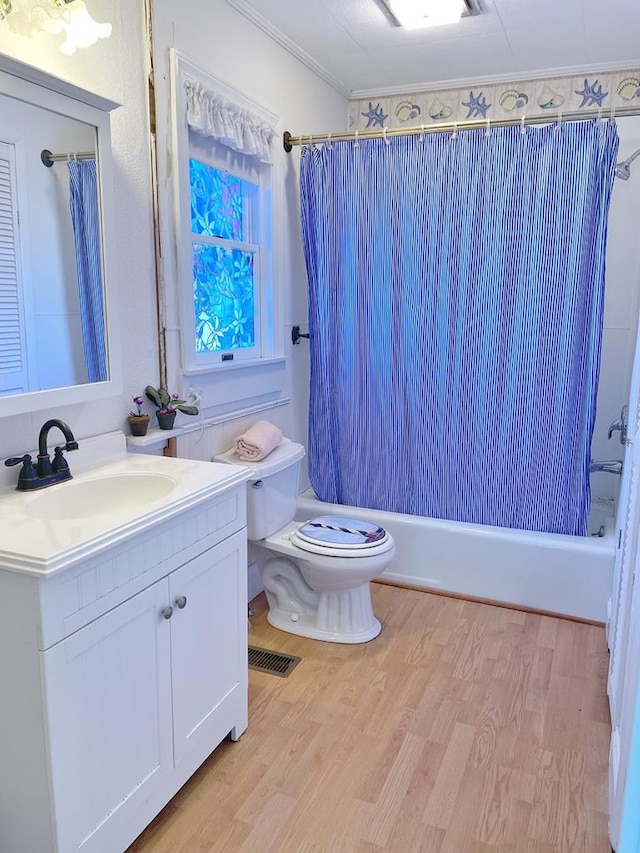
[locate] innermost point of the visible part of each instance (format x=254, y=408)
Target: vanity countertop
x=43, y=542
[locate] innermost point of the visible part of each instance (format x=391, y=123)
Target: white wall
x=221, y=42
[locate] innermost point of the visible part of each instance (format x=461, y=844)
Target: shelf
x=154, y=438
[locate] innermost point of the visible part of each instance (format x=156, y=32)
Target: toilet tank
x=272, y=490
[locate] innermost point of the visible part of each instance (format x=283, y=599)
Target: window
x=226, y=244
x=224, y=240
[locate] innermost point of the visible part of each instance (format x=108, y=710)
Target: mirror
x=56, y=346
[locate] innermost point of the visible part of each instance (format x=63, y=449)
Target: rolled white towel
x=258, y=441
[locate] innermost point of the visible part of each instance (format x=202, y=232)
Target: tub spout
x=611, y=466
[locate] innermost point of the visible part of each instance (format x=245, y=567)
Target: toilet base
x=305, y=625
x=344, y=616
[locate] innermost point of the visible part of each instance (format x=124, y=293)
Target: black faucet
x=45, y=473
x=44, y=464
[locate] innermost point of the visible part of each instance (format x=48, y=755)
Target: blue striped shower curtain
x=456, y=289
x=85, y=216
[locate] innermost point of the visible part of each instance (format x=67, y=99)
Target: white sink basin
x=106, y=494
x=113, y=495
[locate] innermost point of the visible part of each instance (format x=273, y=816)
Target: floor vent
x=273, y=662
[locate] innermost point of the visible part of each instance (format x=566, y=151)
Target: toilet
x=315, y=573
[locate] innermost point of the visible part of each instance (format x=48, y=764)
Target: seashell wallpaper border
x=604, y=91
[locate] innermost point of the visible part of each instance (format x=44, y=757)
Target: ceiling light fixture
x=415, y=14
x=32, y=17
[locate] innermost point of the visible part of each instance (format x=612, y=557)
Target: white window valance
x=211, y=114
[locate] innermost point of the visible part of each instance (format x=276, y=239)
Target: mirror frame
x=34, y=86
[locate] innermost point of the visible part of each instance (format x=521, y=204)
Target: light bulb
x=81, y=29
x=32, y=17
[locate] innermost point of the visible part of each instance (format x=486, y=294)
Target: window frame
x=264, y=176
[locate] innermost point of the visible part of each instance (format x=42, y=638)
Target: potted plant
x=138, y=420
x=167, y=405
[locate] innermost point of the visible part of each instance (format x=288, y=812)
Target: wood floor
x=463, y=728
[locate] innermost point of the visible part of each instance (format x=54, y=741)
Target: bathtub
x=568, y=575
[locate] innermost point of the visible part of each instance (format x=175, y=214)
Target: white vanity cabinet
x=119, y=676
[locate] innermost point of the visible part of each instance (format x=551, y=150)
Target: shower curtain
x=85, y=216
x=456, y=286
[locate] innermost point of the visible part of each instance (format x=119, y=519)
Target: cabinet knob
x=181, y=602
x=167, y=613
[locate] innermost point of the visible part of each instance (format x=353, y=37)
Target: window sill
x=233, y=365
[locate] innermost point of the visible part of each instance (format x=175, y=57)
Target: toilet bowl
x=315, y=573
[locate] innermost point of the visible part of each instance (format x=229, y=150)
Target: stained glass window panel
x=224, y=298
x=217, y=202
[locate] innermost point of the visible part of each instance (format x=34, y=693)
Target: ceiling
x=352, y=44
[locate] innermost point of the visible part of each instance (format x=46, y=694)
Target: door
x=108, y=696
x=623, y=634
x=14, y=373
x=209, y=648
x=627, y=528
x=624, y=776
x=628, y=837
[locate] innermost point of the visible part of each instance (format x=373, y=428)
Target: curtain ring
x=522, y=127
x=384, y=136
x=421, y=137
x=559, y=124
x=328, y=142
x=356, y=144
x=487, y=131
x=455, y=131
x=612, y=114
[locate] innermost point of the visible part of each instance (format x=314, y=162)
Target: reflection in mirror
x=52, y=316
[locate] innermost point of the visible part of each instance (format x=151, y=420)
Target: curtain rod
x=288, y=141
x=48, y=159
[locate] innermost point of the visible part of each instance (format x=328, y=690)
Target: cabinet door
x=209, y=648
x=108, y=696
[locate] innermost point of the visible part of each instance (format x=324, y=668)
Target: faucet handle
x=59, y=462
x=622, y=424
x=16, y=460
x=615, y=425
x=28, y=474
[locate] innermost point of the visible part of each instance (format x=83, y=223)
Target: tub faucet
x=611, y=466
x=45, y=473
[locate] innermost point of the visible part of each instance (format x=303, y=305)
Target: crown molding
x=247, y=10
